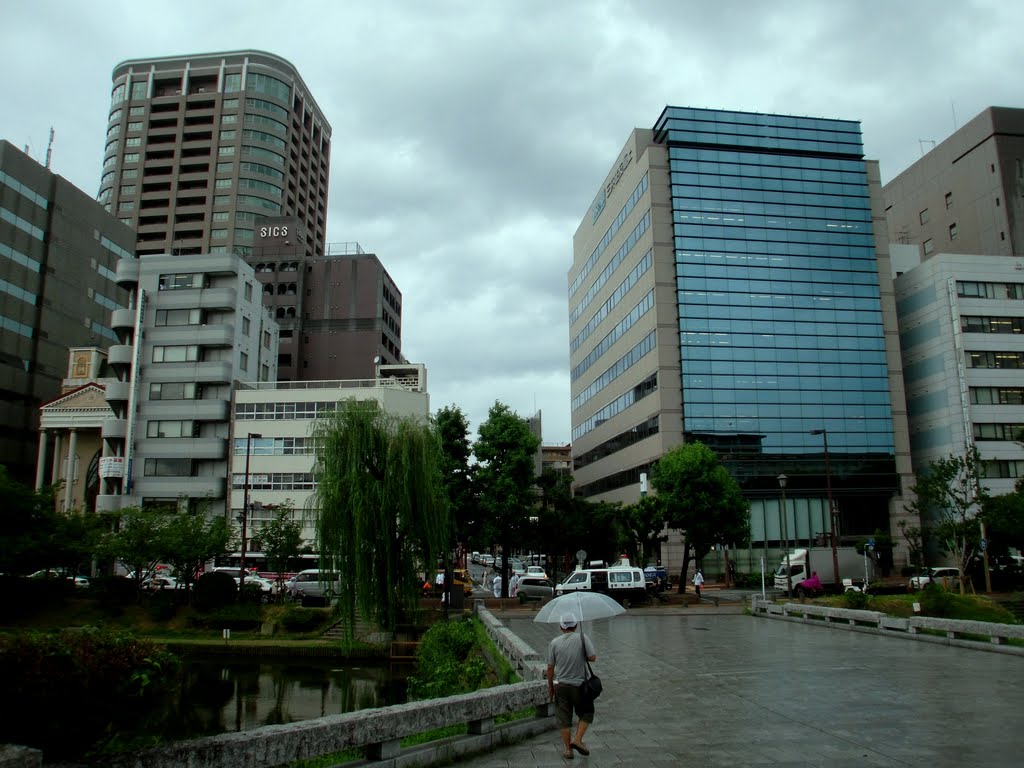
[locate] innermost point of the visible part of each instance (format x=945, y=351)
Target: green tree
x=1004, y=520
x=949, y=493
x=380, y=507
x=701, y=500
x=281, y=539
x=506, y=451
x=135, y=541
x=642, y=524
x=190, y=540
x=914, y=536
x=457, y=476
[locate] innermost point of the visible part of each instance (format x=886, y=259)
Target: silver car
x=536, y=587
x=944, y=576
x=314, y=585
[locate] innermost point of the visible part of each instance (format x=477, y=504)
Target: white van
x=625, y=584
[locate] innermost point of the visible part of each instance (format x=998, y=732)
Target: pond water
x=224, y=695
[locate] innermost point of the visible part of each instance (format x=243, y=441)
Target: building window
x=923, y=216
x=928, y=246
x=127, y=190
x=264, y=372
x=218, y=234
x=131, y=157
x=136, y=111
x=949, y=199
x=184, y=428
x=168, y=467
x=233, y=84
x=133, y=141
x=126, y=205
x=140, y=90
x=953, y=231
x=179, y=317
x=246, y=323
x=221, y=216
x=266, y=339
x=230, y=104
x=117, y=95
x=248, y=291
x=228, y=119
x=180, y=353
x=228, y=135
x=172, y=391
x=180, y=281
x=223, y=183
x=129, y=173
x=243, y=361
x=135, y=126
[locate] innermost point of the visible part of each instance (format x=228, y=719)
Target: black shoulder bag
x=591, y=686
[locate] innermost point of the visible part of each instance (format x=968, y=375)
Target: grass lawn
x=944, y=604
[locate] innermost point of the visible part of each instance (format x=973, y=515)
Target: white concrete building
x=194, y=329
x=961, y=320
x=275, y=419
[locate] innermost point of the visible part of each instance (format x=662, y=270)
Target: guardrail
x=527, y=661
x=950, y=631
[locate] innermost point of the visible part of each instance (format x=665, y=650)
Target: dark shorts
x=568, y=699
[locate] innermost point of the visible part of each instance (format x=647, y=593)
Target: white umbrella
x=587, y=606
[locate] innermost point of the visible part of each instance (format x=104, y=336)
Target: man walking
x=698, y=582
x=566, y=672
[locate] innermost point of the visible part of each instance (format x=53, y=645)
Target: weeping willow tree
x=380, y=507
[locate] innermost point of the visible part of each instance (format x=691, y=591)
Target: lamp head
x=818, y=431
x=782, y=480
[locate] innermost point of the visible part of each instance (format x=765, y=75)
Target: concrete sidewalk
x=704, y=687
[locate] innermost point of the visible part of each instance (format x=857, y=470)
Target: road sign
x=581, y=556
x=982, y=545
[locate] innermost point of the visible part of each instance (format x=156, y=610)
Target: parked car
x=314, y=585
x=486, y=560
x=536, y=571
x=158, y=583
x=944, y=576
x=474, y=558
x=81, y=582
x=536, y=586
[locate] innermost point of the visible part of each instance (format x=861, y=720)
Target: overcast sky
x=471, y=137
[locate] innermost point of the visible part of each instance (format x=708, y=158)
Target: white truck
x=854, y=568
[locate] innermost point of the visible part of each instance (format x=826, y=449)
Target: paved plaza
x=700, y=688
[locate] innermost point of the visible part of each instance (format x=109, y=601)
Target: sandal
x=580, y=748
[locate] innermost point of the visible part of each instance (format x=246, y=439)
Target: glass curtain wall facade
x=780, y=313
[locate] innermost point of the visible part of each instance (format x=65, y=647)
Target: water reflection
x=219, y=696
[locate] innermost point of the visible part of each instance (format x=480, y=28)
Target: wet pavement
x=700, y=687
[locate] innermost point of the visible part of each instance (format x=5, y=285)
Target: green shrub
x=936, y=601
x=162, y=605
x=445, y=661
x=297, y=619
x=746, y=580
x=114, y=589
x=858, y=601
x=240, y=617
x=214, y=590
x=71, y=693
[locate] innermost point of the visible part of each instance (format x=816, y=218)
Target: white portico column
x=70, y=479
x=41, y=460
x=55, y=472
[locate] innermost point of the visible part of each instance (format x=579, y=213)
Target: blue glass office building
x=770, y=267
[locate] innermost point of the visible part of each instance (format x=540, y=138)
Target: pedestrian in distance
x=698, y=582
x=567, y=670
x=496, y=585
x=513, y=584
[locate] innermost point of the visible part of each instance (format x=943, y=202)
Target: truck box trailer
x=854, y=568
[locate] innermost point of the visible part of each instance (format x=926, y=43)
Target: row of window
x=617, y=406
x=19, y=293
x=623, y=288
x=971, y=324
x=616, y=369
x=1014, y=360
x=746, y=235
x=755, y=118
x=758, y=221
x=997, y=395
x=172, y=428
x=615, y=444
x=613, y=264
x=8, y=324
x=23, y=224
x=169, y=468
x=105, y=302
x=284, y=411
x=763, y=387
x=712, y=128
x=744, y=195
x=779, y=170
x=174, y=391
x=734, y=208
x=642, y=308
x=999, y=432
x=284, y=266
x=276, y=481
x=784, y=145
x=275, y=446
x=970, y=289
x=25, y=191
x=20, y=258
x=613, y=228
x=182, y=281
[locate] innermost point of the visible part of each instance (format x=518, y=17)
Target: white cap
x=567, y=620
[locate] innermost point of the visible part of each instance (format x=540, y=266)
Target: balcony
x=216, y=335
x=197, y=410
x=174, y=487
x=113, y=503
x=114, y=429
x=127, y=273
x=122, y=319
x=201, y=448
x=215, y=372
x=118, y=391
x=121, y=355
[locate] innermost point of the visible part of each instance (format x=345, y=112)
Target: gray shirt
x=565, y=655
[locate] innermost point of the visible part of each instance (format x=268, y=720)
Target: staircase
x=1013, y=602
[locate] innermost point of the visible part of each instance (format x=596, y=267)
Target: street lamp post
x=832, y=512
x=785, y=534
x=245, y=507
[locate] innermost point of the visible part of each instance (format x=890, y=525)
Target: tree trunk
x=728, y=581
x=686, y=566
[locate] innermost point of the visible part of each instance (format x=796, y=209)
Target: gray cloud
x=470, y=138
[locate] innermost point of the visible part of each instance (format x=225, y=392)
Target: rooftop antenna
x=49, y=150
x=922, y=142
x=952, y=107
